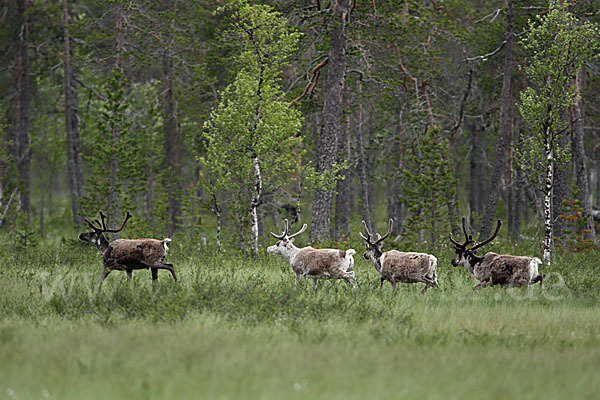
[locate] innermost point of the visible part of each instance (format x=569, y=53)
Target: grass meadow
x=237, y=328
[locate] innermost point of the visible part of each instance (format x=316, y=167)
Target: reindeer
x=396, y=266
x=127, y=254
x=495, y=269
x=308, y=262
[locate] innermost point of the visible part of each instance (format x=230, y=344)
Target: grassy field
x=237, y=328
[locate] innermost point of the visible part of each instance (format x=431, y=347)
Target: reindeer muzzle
x=85, y=237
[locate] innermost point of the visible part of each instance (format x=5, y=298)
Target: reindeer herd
x=307, y=262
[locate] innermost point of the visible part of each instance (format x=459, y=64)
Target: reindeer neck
x=473, y=261
x=291, y=252
x=375, y=256
x=102, y=244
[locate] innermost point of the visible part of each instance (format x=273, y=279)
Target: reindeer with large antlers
x=127, y=254
x=492, y=268
x=308, y=262
x=396, y=266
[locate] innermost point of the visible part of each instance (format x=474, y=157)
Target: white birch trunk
x=548, y=231
x=253, y=207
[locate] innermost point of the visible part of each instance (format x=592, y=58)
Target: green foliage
x=429, y=182
x=557, y=45
x=131, y=148
x=253, y=126
x=26, y=237
x=575, y=229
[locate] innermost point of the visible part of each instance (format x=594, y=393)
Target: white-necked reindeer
x=308, y=262
x=127, y=254
x=396, y=266
x=492, y=268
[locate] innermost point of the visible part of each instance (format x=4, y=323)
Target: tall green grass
x=237, y=327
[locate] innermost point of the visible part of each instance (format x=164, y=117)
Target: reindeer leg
x=539, y=278
x=128, y=272
x=394, y=285
x=483, y=284
x=315, y=283
x=168, y=267
x=350, y=280
x=103, y=277
x=381, y=283
x=154, y=273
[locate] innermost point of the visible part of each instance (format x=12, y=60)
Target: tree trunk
x=113, y=207
x=342, y=199
x=332, y=116
x=253, y=207
x=578, y=151
x=19, y=113
x=365, y=204
x=503, y=129
x=548, y=225
x=511, y=192
x=393, y=187
x=172, y=137
x=74, y=164
x=214, y=206
x=477, y=175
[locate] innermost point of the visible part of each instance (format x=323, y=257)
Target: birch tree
x=557, y=45
x=252, y=135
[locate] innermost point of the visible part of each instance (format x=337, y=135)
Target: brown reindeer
x=127, y=254
x=492, y=268
x=396, y=266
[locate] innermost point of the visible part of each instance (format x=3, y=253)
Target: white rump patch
x=164, y=242
x=533, y=267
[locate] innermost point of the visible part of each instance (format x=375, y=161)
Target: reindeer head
x=467, y=256
x=284, y=241
x=374, y=246
x=97, y=236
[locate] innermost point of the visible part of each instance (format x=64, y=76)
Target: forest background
x=204, y=117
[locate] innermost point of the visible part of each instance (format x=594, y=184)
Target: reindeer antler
x=299, y=232
x=92, y=225
x=122, y=225
x=285, y=232
x=486, y=241
x=380, y=238
x=468, y=238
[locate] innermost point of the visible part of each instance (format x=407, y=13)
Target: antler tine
x=92, y=225
x=122, y=225
x=102, y=216
x=464, y=228
x=381, y=239
x=366, y=228
x=299, y=232
x=368, y=237
x=468, y=238
x=486, y=241
x=285, y=232
x=454, y=242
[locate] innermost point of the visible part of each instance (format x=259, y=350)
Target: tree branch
x=316, y=73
